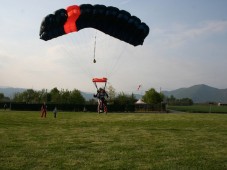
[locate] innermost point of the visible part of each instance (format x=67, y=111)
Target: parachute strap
x=73, y=14
x=95, y=85
x=105, y=86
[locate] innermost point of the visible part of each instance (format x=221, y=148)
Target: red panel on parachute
x=99, y=80
x=73, y=14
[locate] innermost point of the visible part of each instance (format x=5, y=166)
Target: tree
x=152, y=97
x=180, y=102
x=28, y=96
x=17, y=97
x=55, y=95
x=111, y=93
x=123, y=99
x=171, y=100
x=92, y=101
x=1, y=96
x=65, y=96
x=76, y=97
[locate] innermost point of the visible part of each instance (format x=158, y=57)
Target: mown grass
x=200, y=108
x=113, y=141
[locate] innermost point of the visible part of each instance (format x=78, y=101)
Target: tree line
x=178, y=102
x=75, y=97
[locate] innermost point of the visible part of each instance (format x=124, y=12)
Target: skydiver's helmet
x=101, y=89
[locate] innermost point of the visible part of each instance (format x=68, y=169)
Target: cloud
x=178, y=35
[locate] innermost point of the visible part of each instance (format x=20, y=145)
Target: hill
x=200, y=94
x=10, y=91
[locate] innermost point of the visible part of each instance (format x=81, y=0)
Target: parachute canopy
x=99, y=80
x=110, y=20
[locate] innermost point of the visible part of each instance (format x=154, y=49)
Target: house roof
x=140, y=102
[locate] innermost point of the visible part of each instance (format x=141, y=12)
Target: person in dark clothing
x=101, y=96
x=43, y=110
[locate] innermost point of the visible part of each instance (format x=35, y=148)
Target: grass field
x=197, y=108
x=113, y=141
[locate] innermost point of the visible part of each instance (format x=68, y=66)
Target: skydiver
x=101, y=94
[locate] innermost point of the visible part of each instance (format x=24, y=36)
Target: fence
x=81, y=108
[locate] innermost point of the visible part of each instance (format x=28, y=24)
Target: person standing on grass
x=5, y=106
x=55, y=112
x=43, y=110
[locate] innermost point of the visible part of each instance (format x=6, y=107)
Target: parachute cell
x=73, y=14
x=110, y=20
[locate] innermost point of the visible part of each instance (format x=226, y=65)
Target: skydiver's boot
x=105, y=109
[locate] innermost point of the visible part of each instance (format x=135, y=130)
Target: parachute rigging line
x=116, y=63
x=94, y=61
x=66, y=49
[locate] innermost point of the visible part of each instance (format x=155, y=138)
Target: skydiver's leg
x=105, y=109
x=105, y=106
x=98, y=106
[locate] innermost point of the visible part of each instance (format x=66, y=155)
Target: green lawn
x=198, y=108
x=113, y=141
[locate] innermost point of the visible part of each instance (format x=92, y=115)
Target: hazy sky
x=187, y=45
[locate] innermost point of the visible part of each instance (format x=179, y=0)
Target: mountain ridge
x=200, y=93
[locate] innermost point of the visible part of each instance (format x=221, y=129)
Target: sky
x=186, y=46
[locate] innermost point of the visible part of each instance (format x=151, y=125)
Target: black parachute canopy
x=110, y=20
